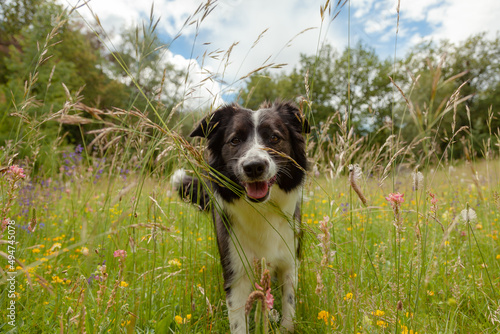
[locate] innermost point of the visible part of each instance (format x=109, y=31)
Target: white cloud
x=458, y=19
x=230, y=21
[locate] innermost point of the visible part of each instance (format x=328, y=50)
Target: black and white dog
x=258, y=163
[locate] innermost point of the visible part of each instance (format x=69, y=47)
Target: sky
x=226, y=40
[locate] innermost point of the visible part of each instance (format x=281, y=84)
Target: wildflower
x=395, y=199
x=16, y=172
x=274, y=315
x=269, y=298
x=175, y=262
x=36, y=250
x=56, y=279
x=378, y=313
x=118, y=253
x=188, y=316
x=405, y=330
x=348, y=296
x=498, y=257
x=381, y=323
x=325, y=316
x=418, y=179
x=123, y=284
x=468, y=215
x=178, y=319
x=57, y=245
x=430, y=292
x=479, y=226
x=433, y=198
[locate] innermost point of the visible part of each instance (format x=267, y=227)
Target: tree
x=468, y=72
x=328, y=77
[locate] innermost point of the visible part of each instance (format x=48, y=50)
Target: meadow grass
x=104, y=244
x=438, y=273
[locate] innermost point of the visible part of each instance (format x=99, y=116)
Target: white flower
x=468, y=215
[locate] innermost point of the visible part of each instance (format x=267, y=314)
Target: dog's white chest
x=264, y=230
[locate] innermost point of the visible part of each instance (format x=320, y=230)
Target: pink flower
x=120, y=253
x=434, y=200
x=16, y=171
x=269, y=297
x=395, y=199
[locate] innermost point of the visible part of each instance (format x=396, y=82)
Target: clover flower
x=395, y=199
x=120, y=253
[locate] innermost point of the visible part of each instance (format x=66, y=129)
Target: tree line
x=440, y=89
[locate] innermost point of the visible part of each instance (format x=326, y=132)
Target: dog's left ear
x=296, y=117
x=212, y=123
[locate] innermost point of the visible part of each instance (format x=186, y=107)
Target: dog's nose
x=255, y=169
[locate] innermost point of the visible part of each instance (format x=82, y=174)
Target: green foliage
x=444, y=80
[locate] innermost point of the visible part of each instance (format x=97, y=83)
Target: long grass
x=171, y=276
x=364, y=268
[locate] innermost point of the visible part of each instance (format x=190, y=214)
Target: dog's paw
x=177, y=178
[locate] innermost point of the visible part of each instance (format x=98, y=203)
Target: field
x=427, y=268
x=400, y=209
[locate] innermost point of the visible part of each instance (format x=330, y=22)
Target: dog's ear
x=212, y=123
x=296, y=118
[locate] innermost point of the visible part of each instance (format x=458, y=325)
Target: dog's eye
x=274, y=139
x=235, y=141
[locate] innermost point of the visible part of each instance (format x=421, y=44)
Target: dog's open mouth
x=259, y=190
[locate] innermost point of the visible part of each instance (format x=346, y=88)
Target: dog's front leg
x=288, y=280
x=236, y=297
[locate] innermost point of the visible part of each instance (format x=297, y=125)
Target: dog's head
x=257, y=149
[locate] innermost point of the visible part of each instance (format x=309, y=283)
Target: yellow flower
x=378, y=313
x=479, y=227
x=188, y=316
x=406, y=331
x=56, y=279
x=202, y=269
x=36, y=250
x=174, y=262
x=430, y=293
x=381, y=323
x=123, y=284
x=348, y=296
x=178, y=319
x=498, y=256
x=325, y=315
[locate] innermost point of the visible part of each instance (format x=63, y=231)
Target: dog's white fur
x=262, y=230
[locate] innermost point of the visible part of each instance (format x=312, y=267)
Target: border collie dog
x=257, y=165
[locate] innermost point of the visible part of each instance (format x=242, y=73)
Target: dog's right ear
x=212, y=123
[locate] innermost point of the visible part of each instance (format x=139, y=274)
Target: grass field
x=421, y=268
x=94, y=239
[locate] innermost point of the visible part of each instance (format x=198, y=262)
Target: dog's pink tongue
x=257, y=190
